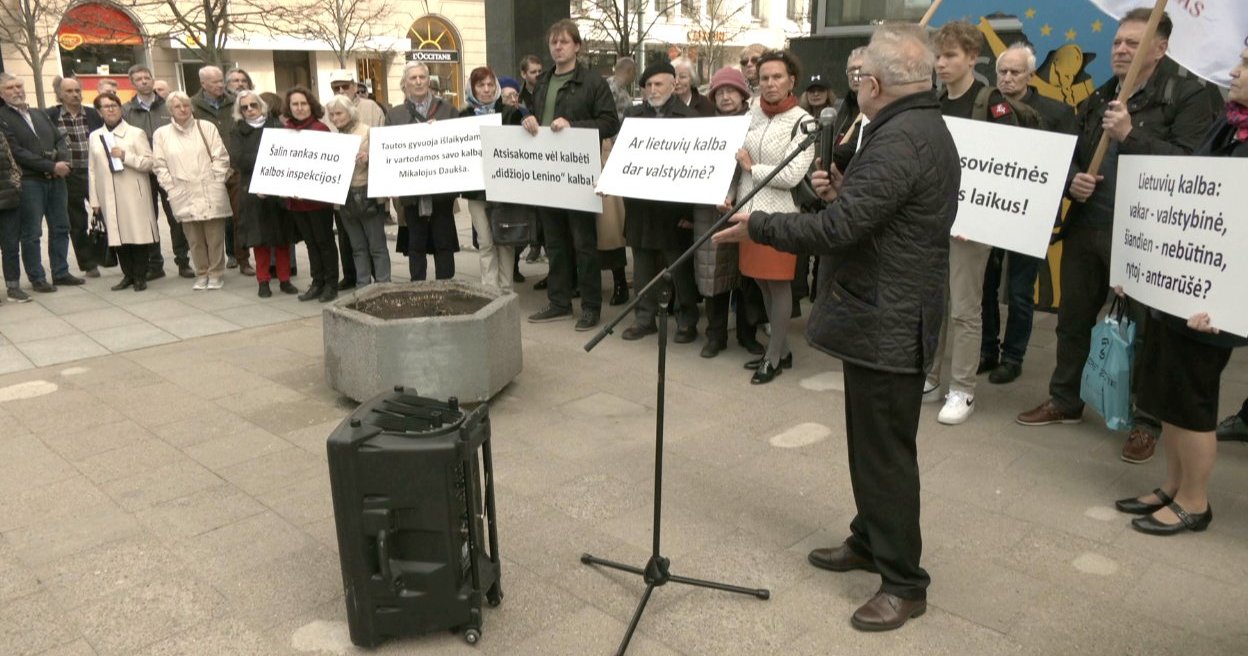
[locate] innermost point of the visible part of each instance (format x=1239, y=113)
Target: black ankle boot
x=620, y=295
x=265, y=291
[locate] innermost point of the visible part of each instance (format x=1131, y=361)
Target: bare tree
x=722, y=22
x=622, y=23
x=346, y=26
x=30, y=26
x=205, y=26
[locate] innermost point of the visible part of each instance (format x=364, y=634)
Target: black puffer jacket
x=585, y=101
x=881, y=290
x=654, y=223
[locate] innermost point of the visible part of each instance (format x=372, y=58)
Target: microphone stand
x=656, y=571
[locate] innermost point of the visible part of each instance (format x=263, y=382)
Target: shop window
x=435, y=41
x=99, y=41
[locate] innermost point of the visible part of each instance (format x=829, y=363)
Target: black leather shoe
x=752, y=346
x=328, y=294
x=345, y=285
x=43, y=287
x=313, y=293
x=1134, y=506
x=265, y=290
x=785, y=363
x=1195, y=522
x=157, y=274
x=637, y=331
x=68, y=281
x=886, y=612
x=765, y=373
x=713, y=348
x=288, y=288
x=125, y=282
x=686, y=335
x=140, y=284
x=840, y=559
x=1006, y=372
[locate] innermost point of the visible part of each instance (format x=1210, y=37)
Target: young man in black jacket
x=571, y=95
x=1165, y=115
x=42, y=154
x=77, y=122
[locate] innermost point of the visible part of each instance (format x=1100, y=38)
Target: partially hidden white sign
x=427, y=158
x=1012, y=184
x=550, y=169
x=1180, y=244
x=685, y=160
x=305, y=164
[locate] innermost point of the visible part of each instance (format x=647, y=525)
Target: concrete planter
x=471, y=356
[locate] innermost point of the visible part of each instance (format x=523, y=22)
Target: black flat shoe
x=313, y=293
x=265, y=291
x=785, y=363
x=140, y=284
x=288, y=288
x=685, y=335
x=752, y=346
x=124, y=283
x=712, y=349
x=1195, y=522
x=765, y=373
x=1134, y=506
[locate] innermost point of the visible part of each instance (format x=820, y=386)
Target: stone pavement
x=174, y=499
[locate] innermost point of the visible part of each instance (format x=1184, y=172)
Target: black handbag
x=97, y=235
x=512, y=225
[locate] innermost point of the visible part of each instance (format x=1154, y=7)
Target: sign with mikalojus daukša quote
x=1012, y=184
x=306, y=164
x=1181, y=236
x=427, y=158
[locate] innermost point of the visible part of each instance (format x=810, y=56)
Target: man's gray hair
x=414, y=64
x=899, y=53
x=207, y=70
x=1023, y=47
x=857, y=53
x=244, y=95
x=685, y=63
x=5, y=77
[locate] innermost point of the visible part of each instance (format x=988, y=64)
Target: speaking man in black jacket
x=571, y=95
x=880, y=306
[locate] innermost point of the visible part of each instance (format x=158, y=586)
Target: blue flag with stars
x=1072, y=40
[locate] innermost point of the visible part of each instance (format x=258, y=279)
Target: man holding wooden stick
x=1161, y=114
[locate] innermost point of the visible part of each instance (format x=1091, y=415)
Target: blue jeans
x=1021, y=271
x=44, y=198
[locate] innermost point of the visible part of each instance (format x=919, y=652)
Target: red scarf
x=1237, y=116
x=772, y=109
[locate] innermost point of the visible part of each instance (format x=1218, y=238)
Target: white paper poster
x=306, y=164
x=1180, y=242
x=427, y=158
x=550, y=169
x=685, y=160
x=1012, y=184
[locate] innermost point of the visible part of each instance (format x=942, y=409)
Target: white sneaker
x=200, y=284
x=931, y=391
x=958, y=408
x=215, y=283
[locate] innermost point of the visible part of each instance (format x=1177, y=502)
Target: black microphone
x=827, y=136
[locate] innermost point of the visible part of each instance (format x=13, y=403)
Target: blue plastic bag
x=1106, y=384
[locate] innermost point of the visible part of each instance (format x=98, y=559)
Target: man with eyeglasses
x=342, y=83
x=885, y=231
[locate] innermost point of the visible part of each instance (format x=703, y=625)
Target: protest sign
x=305, y=164
x=427, y=158
x=687, y=160
x=1012, y=184
x=1178, y=244
x=551, y=169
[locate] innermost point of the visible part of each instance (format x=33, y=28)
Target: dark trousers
x=801, y=278
x=1020, y=280
x=233, y=247
x=751, y=311
x=443, y=266
x=133, y=258
x=647, y=263
x=44, y=198
x=181, y=250
x=572, y=248
x=717, y=307
x=881, y=425
x=1085, y=288
x=317, y=228
x=16, y=247
x=345, y=254
x=76, y=208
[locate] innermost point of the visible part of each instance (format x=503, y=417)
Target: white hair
x=206, y=70
x=344, y=103
x=685, y=63
x=414, y=64
x=857, y=53
x=1022, y=47
x=243, y=95
x=899, y=53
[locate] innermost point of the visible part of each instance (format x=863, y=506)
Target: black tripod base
x=656, y=574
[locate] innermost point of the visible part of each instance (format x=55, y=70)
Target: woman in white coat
x=191, y=163
x=119, y=189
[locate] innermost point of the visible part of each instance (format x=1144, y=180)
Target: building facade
x=99, y=40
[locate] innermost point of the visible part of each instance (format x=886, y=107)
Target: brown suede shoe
x=1139, y=447
x=840, y=559
x=1047, y=413
x=886, y=612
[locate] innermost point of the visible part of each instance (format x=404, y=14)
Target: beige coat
x=191, y=163
x=125, y=197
